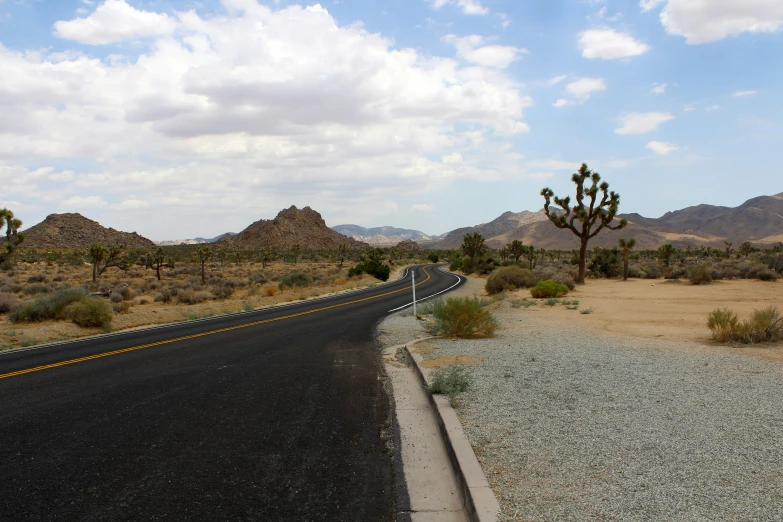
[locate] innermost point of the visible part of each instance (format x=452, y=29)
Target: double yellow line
x=195, y=336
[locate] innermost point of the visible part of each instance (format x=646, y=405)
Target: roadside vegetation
x=764, y=325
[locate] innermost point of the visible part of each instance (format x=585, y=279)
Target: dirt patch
x=450, y=361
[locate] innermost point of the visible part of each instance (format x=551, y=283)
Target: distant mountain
x=503, y=224
x=758, y=220
x=76, y=231
x=292, y=226
x=196, y=241
x=381, y=235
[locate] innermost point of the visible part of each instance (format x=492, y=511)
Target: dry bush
x=164, y=296
x=764, y=325
x=190, y=297
x=765, y=274
x=700, y=274
x=270, y=291
x=7, y=303
x=510, y=278
x=339, y=281
x=116, y=297
x=123, y=307
x=723, y=323
x=89, y=311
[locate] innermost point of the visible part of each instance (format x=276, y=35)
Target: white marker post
x=413, y=285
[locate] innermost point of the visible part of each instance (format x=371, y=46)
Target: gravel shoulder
x=572, y=425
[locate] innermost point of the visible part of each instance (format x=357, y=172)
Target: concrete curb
x=480, y=502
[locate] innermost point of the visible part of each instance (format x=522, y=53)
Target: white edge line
x=459, y=280
x=193, y=321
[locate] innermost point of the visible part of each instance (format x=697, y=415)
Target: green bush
x=48, y=307
x=90, y=311
x=510, y=278
x=455, y=263
x=767, y=275
x=606, y=262
x=463, y=317
x=763, y=325
x=449, y=380
x=700, y=274
x=299, y=279
x=433, y=257
x=548, y=288
x=372, y=267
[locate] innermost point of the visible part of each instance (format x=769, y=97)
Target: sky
x=180, y=118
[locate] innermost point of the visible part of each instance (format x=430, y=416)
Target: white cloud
x=648, y=5
x=422, y=207
x=466, y=6
x=658, y=88
x=113, y=21
x=702, y=21
x=743, y=93
x=79, y=202
x=712, y=108
x=473, y=49
x=557, y=79
x=641, y=122
x=580, y=91
x=661, y=147
x=451, y=159
x=609, y=44
x=318, y=114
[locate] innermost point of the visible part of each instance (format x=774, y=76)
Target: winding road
x=275, y=414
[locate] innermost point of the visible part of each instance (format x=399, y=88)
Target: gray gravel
x=572, y=426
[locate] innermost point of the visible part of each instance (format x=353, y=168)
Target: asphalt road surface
x=278, y=414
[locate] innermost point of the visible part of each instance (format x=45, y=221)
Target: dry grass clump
x=339, y=281
x=464, y=317
x=763, y=325
x=190, y=297
x=700, y=274
x=270, y=291
x=90, y=311
x=7, y=303
x=510, y=278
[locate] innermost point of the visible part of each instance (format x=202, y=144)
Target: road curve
x=276, y=414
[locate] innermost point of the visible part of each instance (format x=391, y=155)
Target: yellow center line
x=204, y=334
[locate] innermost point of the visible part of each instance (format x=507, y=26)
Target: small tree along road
x=596, y=212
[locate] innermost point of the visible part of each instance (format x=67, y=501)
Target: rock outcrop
x=77, y=231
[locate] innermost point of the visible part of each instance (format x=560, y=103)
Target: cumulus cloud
x=641, y=122
x=114, y=21
x=609, y=44
x=557, y=79
x=318, y=113
x=560, y=102
x=661, y=147
x=701, y=21
x=474, y=49
x=743, y=93
x=422, y=207
x=466, y=6
x=648, y=5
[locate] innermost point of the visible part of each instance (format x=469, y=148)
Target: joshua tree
x=13, y=237
x=221, y=255
x=666, y=252
x=531, y=255
x=503, y=253
x=342, y=250
x=103, y=258
x=746, y=248
x=295, y=250
x=204, y=255
x=473, y=246
x=728, y=248
x=237, y=258
x=516, y=249
x=600, y=212
x=156, y=260
x=626, y=247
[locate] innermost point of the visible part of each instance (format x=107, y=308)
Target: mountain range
x=382, y=235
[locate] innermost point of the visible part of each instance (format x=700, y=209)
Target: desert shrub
x=164, y=296
x=89, y=311
x=258, y=278
x=455, y=263
x=222, y=290
x=510, y=278
x=766, y=274
x=774, y=262
x=564, y=279
x=433, y=257
x=449, y=380
x=763, y=325
x=123, y=307
x=723, y=323
x=58, y=278
x=36, y=288
x=700, y=274
x=606, y=262
x=49, y=307
x=548, y=288
x=676, y=272
x=190, y=297
x=269, y=291
x=116, y=298
x=372, y=267
x=126, y=293
x=7, y=303
x=299, y=279
x=37, y=278
x=463, y=317
x=339, y=281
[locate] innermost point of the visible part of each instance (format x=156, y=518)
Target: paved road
x=280, y=414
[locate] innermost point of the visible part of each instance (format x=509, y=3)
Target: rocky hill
x=758, y=220
x=408, y=246
x=196, y=240
x=292, y=226
x=76, y=231
x=381, y=235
